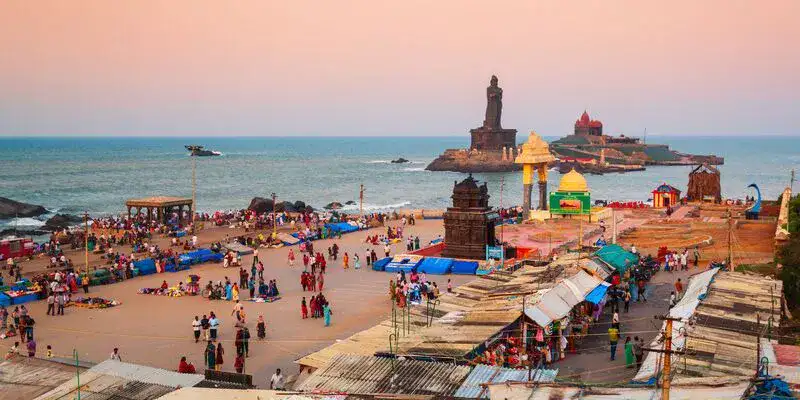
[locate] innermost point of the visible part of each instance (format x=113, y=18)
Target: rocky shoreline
x=462, y=160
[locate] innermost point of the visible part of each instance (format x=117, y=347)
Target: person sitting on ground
x=185, y=367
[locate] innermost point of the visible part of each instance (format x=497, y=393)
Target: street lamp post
x=86, y=241
x=274, y=221
x=194, y=191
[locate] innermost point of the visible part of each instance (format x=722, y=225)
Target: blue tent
x=597, y=294
x=146, y=266
x=380, y=265
x=465, y=267
x=434, y=265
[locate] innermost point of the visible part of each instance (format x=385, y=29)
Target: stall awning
x=557, y=302
x=596, y=295
x=617, y=257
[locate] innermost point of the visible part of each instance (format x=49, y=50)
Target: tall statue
x=494, y=105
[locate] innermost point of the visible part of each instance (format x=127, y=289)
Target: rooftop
x=158, y=201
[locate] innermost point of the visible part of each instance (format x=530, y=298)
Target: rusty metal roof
x=355, y=374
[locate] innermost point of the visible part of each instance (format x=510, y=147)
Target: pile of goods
x=193, y=285
x=172, y=291
x=21, y=292
x=93, y=302
x=265, y=299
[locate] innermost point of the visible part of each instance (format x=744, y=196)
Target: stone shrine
x=469, y=224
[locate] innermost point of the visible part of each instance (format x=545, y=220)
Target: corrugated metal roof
x=484, y=374
x=142, y=373
x=357, y=374
x=118, y=380
x=28, y=378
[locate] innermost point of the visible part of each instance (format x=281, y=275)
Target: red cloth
x=186, y=368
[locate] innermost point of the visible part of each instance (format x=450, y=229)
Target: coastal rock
x=400, y=160
x=333, y=206
x=461, y=160
x=61, y=221
x=11, y=209
x=285, y=206
x=260, y=205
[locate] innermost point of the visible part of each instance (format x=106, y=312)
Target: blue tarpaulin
x=435, y=265
x=5, y=301
x=405, y=263
x=146, y=266
x=343, y=227
x=465, y=267
x=597, y=294
x=380, y=265
x=617, y=257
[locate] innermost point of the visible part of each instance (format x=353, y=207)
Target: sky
x=396, y=68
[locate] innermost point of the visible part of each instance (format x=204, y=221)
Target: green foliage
x=794, y=215
x=789, y=257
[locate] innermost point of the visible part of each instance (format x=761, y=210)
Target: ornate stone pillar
x=543, y=187
x=527, y=182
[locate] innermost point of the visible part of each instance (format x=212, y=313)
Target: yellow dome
x=572, y=181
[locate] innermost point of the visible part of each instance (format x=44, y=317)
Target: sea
x=97, y=175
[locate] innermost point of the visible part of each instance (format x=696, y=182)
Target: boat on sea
x=200, y=151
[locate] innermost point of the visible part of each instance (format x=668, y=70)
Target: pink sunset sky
x=373, y=67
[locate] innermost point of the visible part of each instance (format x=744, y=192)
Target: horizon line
x=4, y=137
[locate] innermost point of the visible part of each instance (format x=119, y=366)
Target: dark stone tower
x=469, y=223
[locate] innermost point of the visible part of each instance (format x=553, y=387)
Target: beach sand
x=156, y=330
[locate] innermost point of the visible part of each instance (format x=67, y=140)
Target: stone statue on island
x=494, y=105
x=492, y=148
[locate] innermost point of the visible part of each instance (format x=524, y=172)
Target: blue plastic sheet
x=435, y=265
x=465, y=267
x=380, y=265
x=146, y=266
x=597, y=294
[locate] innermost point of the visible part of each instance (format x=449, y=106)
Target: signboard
x=570, y=203
x=495, y=252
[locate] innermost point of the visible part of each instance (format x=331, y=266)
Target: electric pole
x=86, y=241
x=668, y=352
x=361, y=200
x=194, y=191
x=274, y=221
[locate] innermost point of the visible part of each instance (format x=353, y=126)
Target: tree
x=794, y=215
x=789, y=257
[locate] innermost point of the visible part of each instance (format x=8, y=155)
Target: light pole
x=194, y=191
x=86, y=241
x=274, y=221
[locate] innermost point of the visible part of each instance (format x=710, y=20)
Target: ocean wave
x=378, y=162
x=23, y=222
x=414, y=169
x=376, y=207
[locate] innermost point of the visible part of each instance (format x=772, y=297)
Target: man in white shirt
x=196, y=328
x=277, y=382
x=115, y=355
x=194, y=241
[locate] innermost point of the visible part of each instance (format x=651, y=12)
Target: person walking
x=238, y=364
x=61, y=301
x=85, y=283
x=613, y=338
x=211, y=356
x=303, y=309
x=213, y=325
x=638, y=351
x=696, y=255
x=277, y=382
x=51, y=304
x=219, y=359
x=115, y=355
x=627, y=298
x=196, y=328
x=261, y=328
x=326, y=311
x=246, y=341
x=628, y=352
x=672, y=300
x=678, y=288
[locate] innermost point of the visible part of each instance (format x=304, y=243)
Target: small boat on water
x=200, y=151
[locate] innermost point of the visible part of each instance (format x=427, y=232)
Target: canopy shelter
x=617, y=257
x=159, y=207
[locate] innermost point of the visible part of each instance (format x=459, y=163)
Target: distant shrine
x=588, y=127
x=469, y=224
x=704, y=184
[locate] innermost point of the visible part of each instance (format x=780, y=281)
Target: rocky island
x=493, y=148
x=588, y=149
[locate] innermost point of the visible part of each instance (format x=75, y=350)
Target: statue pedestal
x=491, y=139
